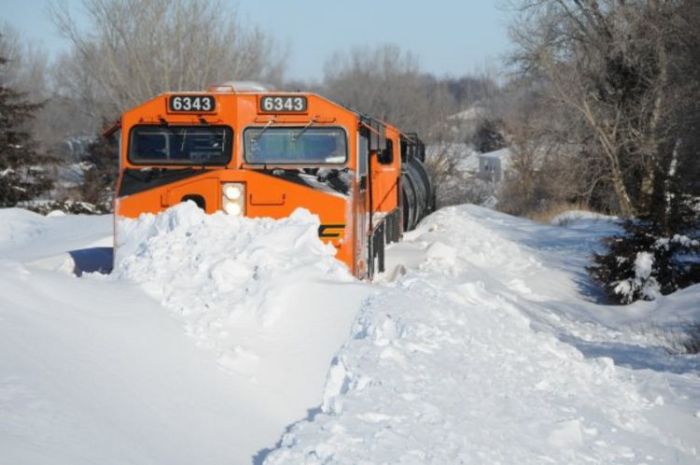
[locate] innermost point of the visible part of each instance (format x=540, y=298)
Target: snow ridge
x=446, y=367
x=483, y=351
x=220, y=274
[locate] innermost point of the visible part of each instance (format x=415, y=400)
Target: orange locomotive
x=258, y=153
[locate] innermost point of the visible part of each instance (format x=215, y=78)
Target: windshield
x=299, y=145
x=185, y=145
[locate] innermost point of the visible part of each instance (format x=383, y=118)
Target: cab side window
x=386, y=156
x=363, y=154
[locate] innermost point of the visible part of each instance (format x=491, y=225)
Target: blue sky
x=450, y=37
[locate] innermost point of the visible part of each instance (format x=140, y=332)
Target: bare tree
x=30, y=64
x=29, y=73
x=609, y=64
x=131, y=50
x=387, y=83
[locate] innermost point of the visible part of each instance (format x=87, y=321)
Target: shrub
x=644, y=262
x=552, y=210
x=489, y=136
x=73, y=207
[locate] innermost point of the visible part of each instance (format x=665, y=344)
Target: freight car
x=247, y=151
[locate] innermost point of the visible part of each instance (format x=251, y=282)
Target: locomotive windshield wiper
x=258, y=135
x=302, y=131
x=184, y=139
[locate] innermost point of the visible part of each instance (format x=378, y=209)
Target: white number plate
x=191, y=104
x=283, y=104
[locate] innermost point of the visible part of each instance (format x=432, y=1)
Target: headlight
x=233, y=191
x=233, y=198
x=232, y=209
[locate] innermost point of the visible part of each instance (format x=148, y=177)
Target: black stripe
x=135, y=181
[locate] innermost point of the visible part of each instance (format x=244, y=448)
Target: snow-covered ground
x=223, y=340
x=200, y=347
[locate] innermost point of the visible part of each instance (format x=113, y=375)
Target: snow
x=683, y=240
x=228, y=340
x=474, y=356
x=92, y=372
x=571, y=217
x=26, y=236
x=235, y=282
x=643, y=267
x=501, y=154
x=181, y=355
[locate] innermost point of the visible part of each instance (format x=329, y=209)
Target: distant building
x=493, y=166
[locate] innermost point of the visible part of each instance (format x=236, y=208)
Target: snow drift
x=225, y=278
x=476, y=356
x=213, y=338
x=210, y=336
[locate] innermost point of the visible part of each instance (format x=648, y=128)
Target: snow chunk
x=643, y=265
x=643, y=279
x=680, y=239
x=568, y=434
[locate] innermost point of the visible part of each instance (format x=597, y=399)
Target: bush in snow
x=489, y=136
x=74, y=207
x=644, y=262
x=461, y=188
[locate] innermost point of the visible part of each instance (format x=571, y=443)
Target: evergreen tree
x=102, y=156
x=21, y=176
x=645, y=262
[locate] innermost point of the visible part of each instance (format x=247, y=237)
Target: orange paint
x=349, y=220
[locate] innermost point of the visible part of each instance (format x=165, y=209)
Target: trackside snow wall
x=229, y=279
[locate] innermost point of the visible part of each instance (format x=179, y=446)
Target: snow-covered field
x=235, y=341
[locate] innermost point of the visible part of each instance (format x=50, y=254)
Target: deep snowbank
x=474, y=357
x=48, y=240
x=227, y=278
x=214, y=335
x=94, y=372
x=127, y=368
